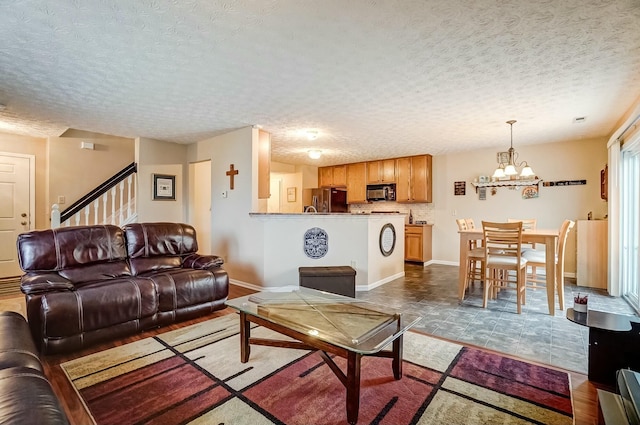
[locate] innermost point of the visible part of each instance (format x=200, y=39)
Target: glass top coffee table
x=329, y=323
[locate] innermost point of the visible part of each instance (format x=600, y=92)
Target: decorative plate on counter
x=316, y=243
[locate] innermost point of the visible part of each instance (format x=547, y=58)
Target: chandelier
x=508, y=165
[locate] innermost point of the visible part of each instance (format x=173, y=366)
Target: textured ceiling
x=376, y=79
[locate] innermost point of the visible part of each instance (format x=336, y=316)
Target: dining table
x=548, y=237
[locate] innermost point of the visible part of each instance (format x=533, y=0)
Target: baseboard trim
x=444, y=263
x=366, y=287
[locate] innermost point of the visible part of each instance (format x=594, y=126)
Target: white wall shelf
x=506, y=183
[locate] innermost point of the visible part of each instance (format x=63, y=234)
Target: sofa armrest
x=203, y=262
x=39, y=283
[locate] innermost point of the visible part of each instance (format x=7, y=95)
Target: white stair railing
x=116, y=206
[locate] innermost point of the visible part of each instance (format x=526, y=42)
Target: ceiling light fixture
x=315, y=153
x=312, y=134
x=508, y=162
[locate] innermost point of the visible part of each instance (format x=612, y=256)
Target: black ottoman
x=339, y=280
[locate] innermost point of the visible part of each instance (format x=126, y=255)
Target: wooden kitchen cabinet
x=356, y=183
x=417, y=242
x=333, y=176
x=413, y=179
x=382, y=171
x=592, y=242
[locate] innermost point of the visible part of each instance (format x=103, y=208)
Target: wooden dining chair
x=505, y=265
x=538, y=258
x=474, y=267
x=527, y=224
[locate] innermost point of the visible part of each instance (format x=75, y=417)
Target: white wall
x=157, y=157
x=233, y=235
x=285, y=176
x=74, y=172
x=576, y=160
x=353, y=240
x=242, y=240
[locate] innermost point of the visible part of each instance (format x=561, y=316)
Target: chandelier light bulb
x=499, y=173
x=527, y=171
x=510, y=170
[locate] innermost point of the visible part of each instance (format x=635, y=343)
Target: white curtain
x=613, y=277
x=626, y=131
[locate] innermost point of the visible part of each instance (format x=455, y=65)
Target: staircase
x=112, y=202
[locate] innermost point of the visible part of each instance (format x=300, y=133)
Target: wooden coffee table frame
x=350, y=379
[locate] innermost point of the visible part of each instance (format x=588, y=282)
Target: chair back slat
x=566, y=227
x=527, y=223
x=502, y=239
x=462, y=224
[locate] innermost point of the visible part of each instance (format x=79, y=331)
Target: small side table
x=614, y=343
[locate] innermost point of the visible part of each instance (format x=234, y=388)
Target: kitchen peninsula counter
x=292, y=240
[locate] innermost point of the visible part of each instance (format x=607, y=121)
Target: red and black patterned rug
x=194, y=375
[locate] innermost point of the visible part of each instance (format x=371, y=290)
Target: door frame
x=32, y=185
x=197, y=185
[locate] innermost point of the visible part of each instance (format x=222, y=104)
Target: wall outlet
x=353, y=264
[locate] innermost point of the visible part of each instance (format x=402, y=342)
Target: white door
x=273, y=203
x=15, y=209
x=200, y=203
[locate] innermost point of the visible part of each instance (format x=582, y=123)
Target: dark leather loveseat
x=26, y=396
x=88, y=284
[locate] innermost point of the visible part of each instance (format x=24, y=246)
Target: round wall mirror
x=387, y=239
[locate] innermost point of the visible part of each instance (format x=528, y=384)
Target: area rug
x=194, y=375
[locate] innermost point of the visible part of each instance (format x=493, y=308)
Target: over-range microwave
x=381, y=192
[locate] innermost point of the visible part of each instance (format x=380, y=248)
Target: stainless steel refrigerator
x=329, y=200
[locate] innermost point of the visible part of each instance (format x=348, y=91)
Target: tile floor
x=534, y=334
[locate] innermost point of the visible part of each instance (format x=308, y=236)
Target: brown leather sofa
x=88, y=284
x=26, y=396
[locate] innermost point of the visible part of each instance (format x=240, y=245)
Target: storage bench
x=336, y=279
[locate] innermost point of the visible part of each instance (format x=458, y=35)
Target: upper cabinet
x=382, y=171
x=356, y=183
x=264, y=167
x=332, y=176
x=413, y=179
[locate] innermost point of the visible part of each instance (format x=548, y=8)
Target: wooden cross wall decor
x=231, y=173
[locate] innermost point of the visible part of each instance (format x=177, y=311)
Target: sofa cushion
x=158, y=246
x=97, y=271
x=180, y=288
x=16, y=346
x=39, y=282
x=97, y=305
x=26, y=397
x=196, y=261
x=71, y=247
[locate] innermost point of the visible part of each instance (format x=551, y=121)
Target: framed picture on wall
x=164, y=187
